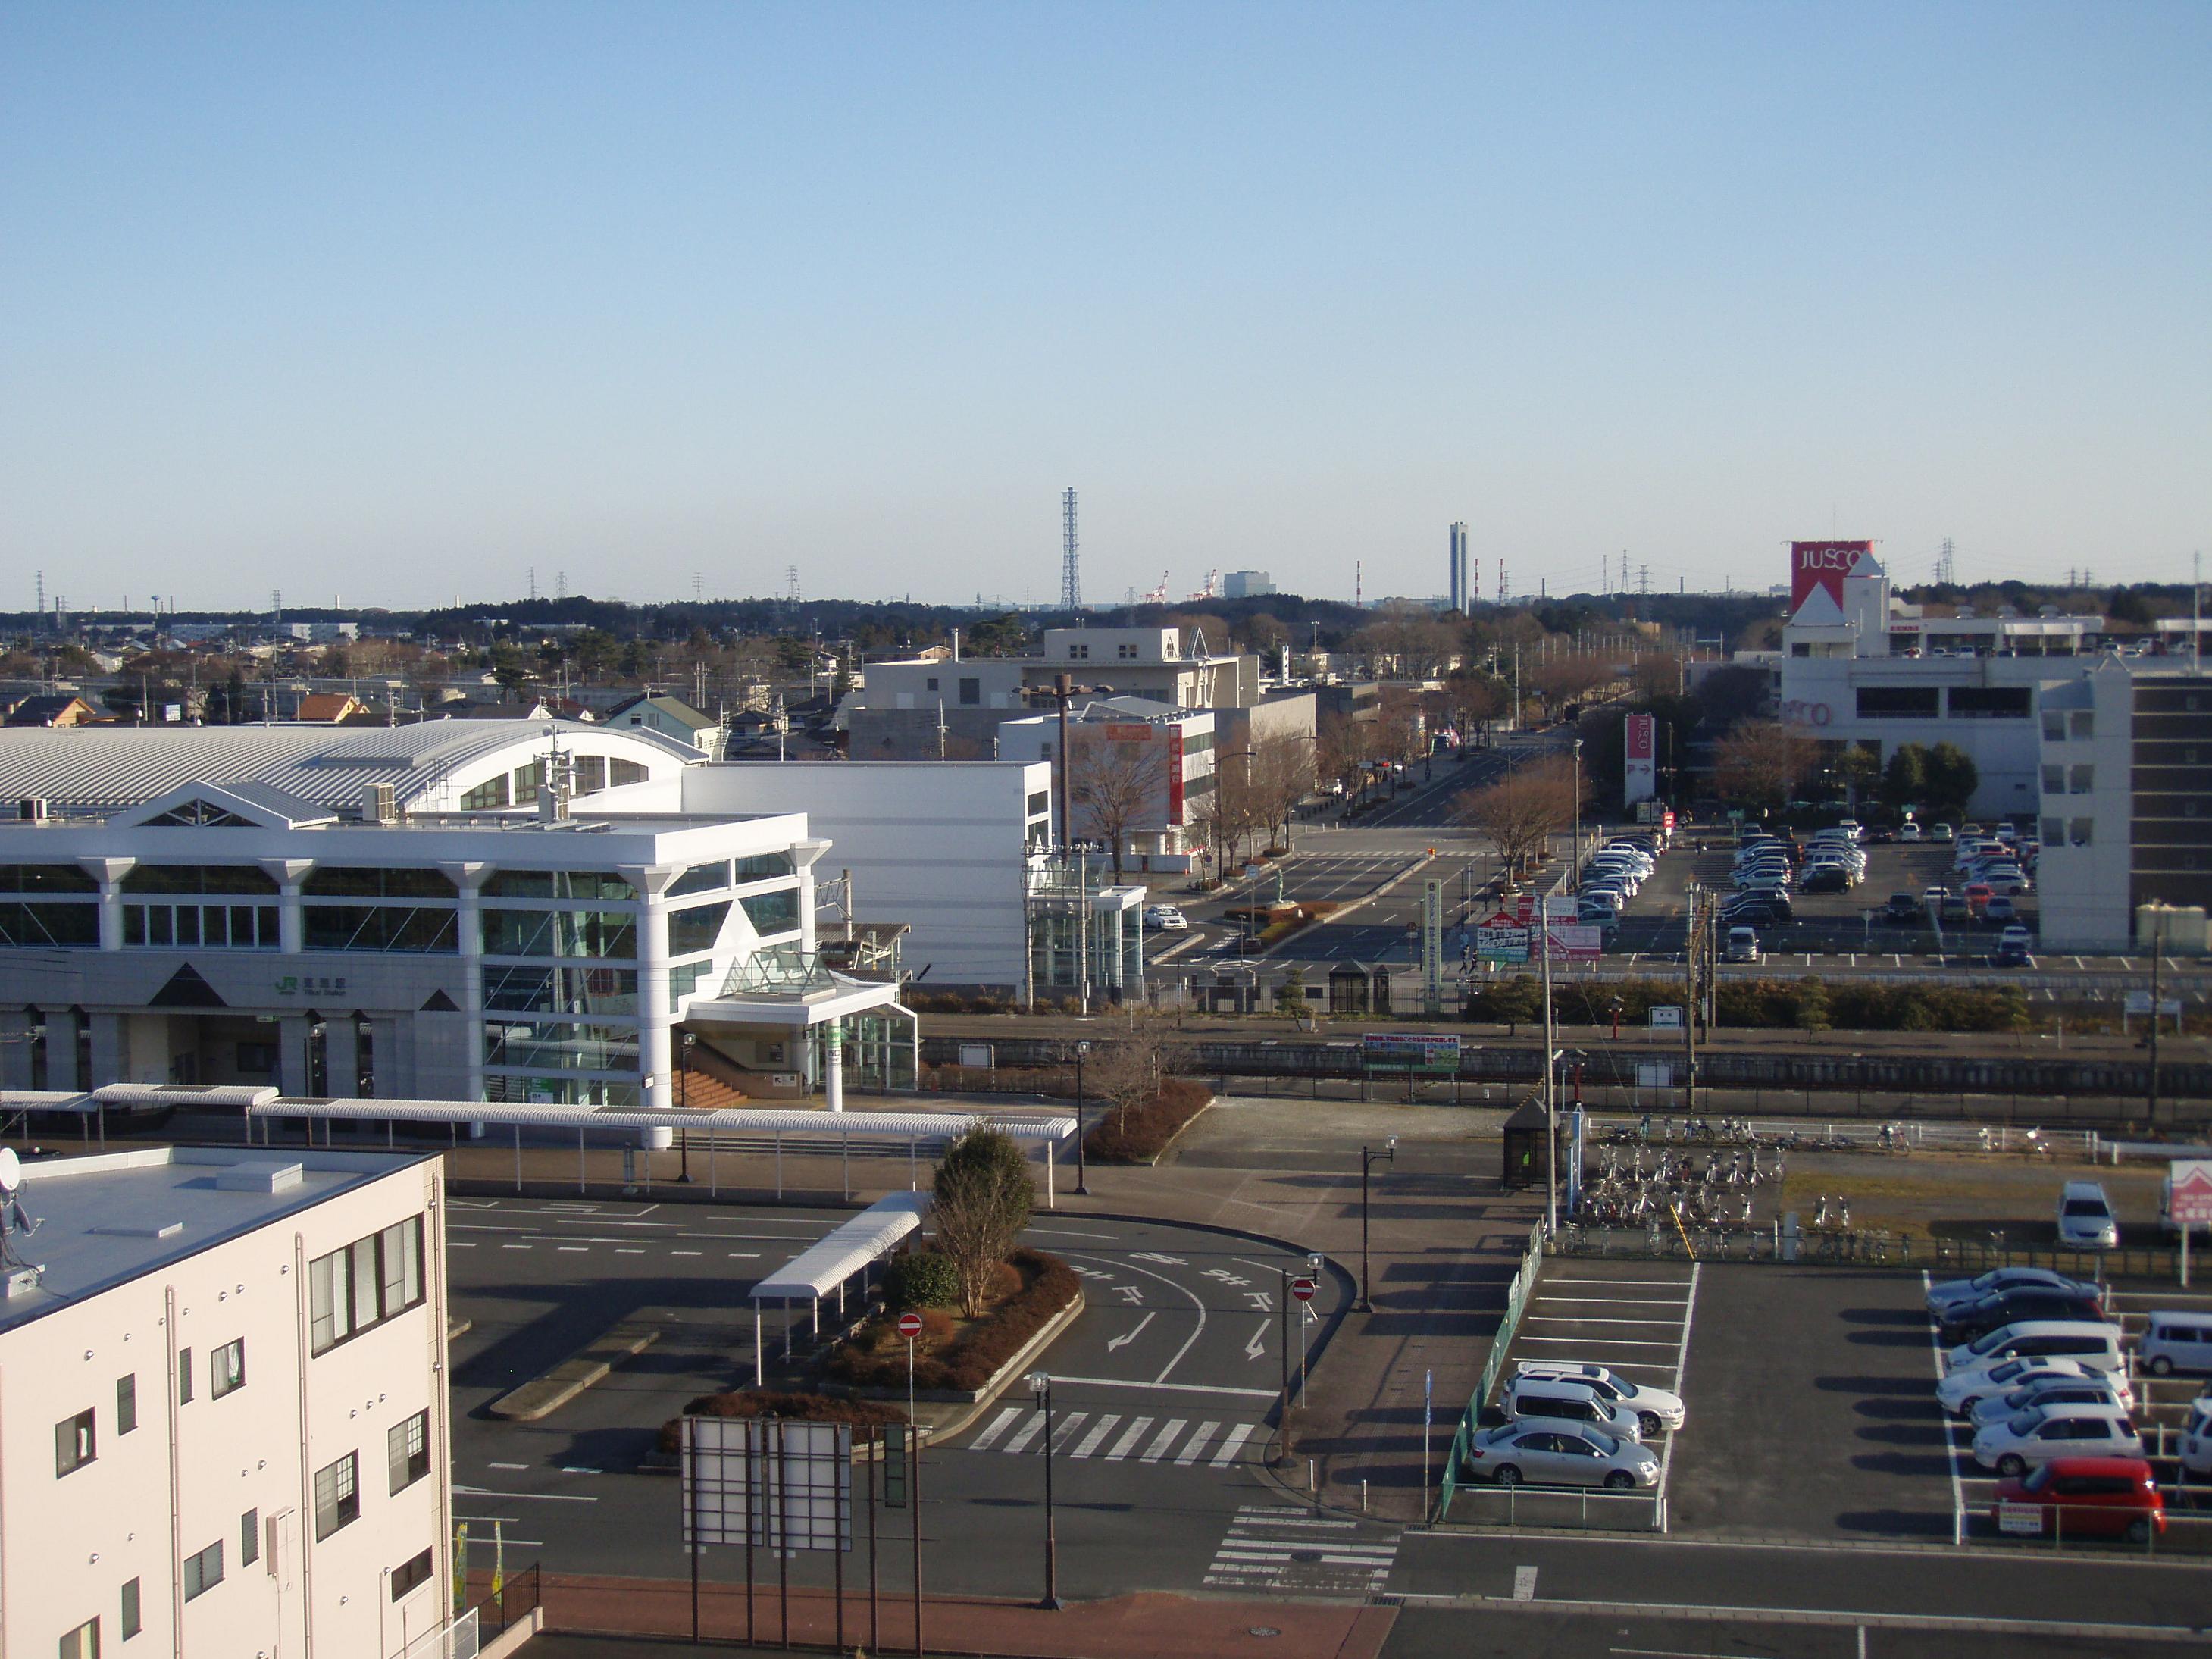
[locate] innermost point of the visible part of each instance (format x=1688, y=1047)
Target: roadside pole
x=1550, y=1077
x=1283, y=1322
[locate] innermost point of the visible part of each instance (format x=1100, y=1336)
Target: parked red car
x=2088, y=1497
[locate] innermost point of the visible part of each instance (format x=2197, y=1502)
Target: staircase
x=701, y=1092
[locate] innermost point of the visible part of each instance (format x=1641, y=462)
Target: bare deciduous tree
x=1125, y=1071
x=1761, y=762
x=1520, y=813
x=1119, y=786
x=1282, y=775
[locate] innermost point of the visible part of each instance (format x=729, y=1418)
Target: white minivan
x=2176, y=1341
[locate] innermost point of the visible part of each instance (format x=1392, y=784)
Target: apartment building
x=226, y=1423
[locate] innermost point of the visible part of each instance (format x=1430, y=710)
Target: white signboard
x=2192, y=1191
x=782, y=1485
x=2138, y=1002
x=2024, y=1518
x=1658, y=1076
x=1665, y=1019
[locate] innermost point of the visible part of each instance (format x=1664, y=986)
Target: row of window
x=2061, y=724
x=1924, y=703
x=231, y=927
x=592, y=774
x=2070, y=780
x=77, y=1439
x=561, y=1047
x=369, y=1281
x=2068, y=832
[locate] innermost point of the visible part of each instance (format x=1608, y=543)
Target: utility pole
x=2157, y=942
x=1690, y=950
x=1550, y=1080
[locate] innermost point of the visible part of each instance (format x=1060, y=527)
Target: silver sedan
x=1560, y=1458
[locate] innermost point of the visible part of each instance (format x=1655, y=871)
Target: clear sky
x=394, y=302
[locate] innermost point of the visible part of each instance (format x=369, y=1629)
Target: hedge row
x=979, y=1349
x=1809, y=1004
x=798, y=1408
x=1138, y=1134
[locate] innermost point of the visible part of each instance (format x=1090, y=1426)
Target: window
x=695, y=929
x=407, y=1449
x=1897, y=702
x=198, y=878
x=2054, y=780
x=350, y=881
x=183, y=1377
x=2082, y=723
x=36, y=926
x=1078, y=652
x=930, y=685
x=73, y=1444
x=597, y=933
x=83, y=1642
x=379, y=928
x=971, y=692
x=701, y=879
x=558, y=885
x=225, y=927
x=2054, y=726
x=46, y=878
x=2082, y=780
x=131, y=1624
x=561, y=990
x=2079, y=831
x=249, y=1538
x=620, y=772
x=2054, y=832
x=773, y=913
x=766, y=867
x=1990, y=702
x=563, y=1046
x=351, y=1289
x=1040, y=802
x=203, y=1571
x=337, y=1499
x=491, y=792
x=227, y=1369
x=126, y=1403
x=410, y=1574
x=1127, y=653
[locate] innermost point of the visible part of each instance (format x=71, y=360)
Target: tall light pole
x=1082, y=1169
x=1575, y=871
x=1367, y=1155
x=1041, y=1386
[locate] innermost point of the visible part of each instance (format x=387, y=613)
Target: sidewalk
x=1145, y=1626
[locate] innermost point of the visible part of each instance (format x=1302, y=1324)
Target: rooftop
x=107, y=1219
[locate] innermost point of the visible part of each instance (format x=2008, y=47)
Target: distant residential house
x=672, y=717
x=331, y=708
x=52, y=709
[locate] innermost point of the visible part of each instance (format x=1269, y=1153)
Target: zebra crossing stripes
x=1268, y=1547
x=1112, y=1437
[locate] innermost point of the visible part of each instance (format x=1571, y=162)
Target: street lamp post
x=1575, y=879
x=683, y=1100
x=1041, y=1386
x=1082, y=1169
x=1367, y=1156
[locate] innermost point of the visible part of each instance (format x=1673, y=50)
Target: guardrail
x=1564, y=1506
x=1470, y=1421
x=1960, y=1257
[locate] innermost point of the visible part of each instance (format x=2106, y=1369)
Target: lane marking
x=1590, y=1319
x=514, y=1247
x=507, y=1466
x=1172, y=1388
x=1599, y=1341
x=1099, y=1431
x=1681, y=1358
x=1950, y=1443
x=1196, y=1444
x=527, y=1497
x=1065, y=1427
x=1173, y=1285
x=1165, y=1438
x=1130, y=1435
x=1229, y=1443
x=999, y=1425
x=1028, y=1432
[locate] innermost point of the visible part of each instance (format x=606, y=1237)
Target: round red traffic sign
x=909, y=1326
x=1302, y=1289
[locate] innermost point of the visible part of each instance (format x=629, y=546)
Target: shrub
x=983, y=1196
x=1139, y=1133
x=919, y=1279
x=1046, y=1284
x=795, y=1407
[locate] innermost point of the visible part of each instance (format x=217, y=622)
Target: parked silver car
x=1560, y=1458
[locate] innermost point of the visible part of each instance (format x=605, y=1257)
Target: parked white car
x=1534, y=1399
x=2092, y=1347
x=2197, y=1436
x=1655, y=1409
x=2106, y=1389
x=1964, y=1390
x=2038, y=1436
x=1544, y=1455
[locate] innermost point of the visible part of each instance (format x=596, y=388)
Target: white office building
x=226, y=1428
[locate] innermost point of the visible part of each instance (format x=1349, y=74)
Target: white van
x=2176, y=1341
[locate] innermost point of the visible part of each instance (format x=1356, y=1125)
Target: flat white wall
x=936, y=844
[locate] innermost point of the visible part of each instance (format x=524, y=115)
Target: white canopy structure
x=851, y=1248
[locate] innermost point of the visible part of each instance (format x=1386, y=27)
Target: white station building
x=422, y=912
x=226, y=1426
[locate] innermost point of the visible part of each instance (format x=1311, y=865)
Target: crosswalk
x=1268, y=1547
x=1113, y=1437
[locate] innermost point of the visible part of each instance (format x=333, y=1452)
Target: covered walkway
x=824, y=1267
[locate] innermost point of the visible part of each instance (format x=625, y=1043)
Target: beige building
x=222, y=1412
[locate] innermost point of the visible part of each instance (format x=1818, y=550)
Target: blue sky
x=396, y=301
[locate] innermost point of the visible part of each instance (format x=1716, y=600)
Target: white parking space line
x=1164, y=1439
x=1618, y=1301
x=1130, y=1435
x=1950, y=1441
x=1600, y=1342
x=1681, y=1358
x=1587, y=1319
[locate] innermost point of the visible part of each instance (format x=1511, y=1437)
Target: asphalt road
x=1162, y=1396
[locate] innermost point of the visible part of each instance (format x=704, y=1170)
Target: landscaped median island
x=956, y=1353
x=1139, y=1133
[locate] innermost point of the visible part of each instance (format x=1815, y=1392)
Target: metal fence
x=1517, y=1293
x=514, y=1597
x=1961, y=1255
x=1560, y=1507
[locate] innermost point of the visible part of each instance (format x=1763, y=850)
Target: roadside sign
x=2138, y=1002
x=1302, y=1289
x=1411, y=1051
x=909, y=1326
x=1655, y=1074
x=2192, y=1191
x=1668, y=821
x=1665, y=1019
x=2025, y=1518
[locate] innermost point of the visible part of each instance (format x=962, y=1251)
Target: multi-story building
x=1140, y=765
x=1457, y=585
x=2126, y=800
x=1247, y=585
x=236, y=932
x=226, y=1424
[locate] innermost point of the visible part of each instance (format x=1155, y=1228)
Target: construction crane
x=1158, y=595
x=1213, y=588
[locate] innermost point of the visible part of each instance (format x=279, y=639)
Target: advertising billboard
x=1640, y=771
x=1820, y=567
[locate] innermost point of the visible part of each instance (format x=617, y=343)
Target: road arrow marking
x=1123, y=1342
x=1258, y=1345
x=1135, y=1292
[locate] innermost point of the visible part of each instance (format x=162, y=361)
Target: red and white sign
x=1668, y=821
x=1639, y=774
x=1524, y=906
x=1821, y=567
x=2192, y=1191
x=1302, y=1289
x=909, y=1326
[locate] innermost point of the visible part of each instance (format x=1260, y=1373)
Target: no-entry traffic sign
x=909, y=1326
x=1302, y=1289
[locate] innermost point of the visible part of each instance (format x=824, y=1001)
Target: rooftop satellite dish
x=11, y=1171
